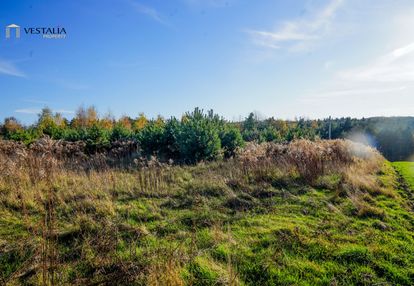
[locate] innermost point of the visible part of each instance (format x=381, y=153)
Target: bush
x=231, y=139
x=270, y=134
x=151, y=138
x=199, y=137
x=26, y=136
x=120, y=132
x=72, y=135
x=170, y=148
x=96, y=138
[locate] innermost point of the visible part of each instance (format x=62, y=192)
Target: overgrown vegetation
x=196, y=137
x=199, y=136
x=307, y=213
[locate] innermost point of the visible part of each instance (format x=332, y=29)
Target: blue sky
x=286, y=59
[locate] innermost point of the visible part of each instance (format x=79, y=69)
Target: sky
x=280, y=58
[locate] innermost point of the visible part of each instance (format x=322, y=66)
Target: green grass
x=406, y=169
x=205, y=229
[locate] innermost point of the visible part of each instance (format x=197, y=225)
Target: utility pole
x=330, y=128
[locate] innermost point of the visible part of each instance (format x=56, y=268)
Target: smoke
x=363, y=138
x=364, y=144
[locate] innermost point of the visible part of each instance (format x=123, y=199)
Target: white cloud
x=9, y=68
x=38, y=110
x=210, y=3
x=395, y=67
x=28, y=110
x=298, y=34
x=382, y=87
x=150, y=12
x=349, y=93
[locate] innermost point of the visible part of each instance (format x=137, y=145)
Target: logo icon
x=13, y=27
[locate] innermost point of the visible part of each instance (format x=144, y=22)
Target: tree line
x=200, y=135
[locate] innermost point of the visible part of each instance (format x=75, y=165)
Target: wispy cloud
x=210, y=3
x=150, y=12
x=38, y=110
x=28, y=110
x=351, y=93
x=10, y=69
x=386, y=78
x=396, y=66
x=300, y=33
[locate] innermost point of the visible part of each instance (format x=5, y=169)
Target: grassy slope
x=201, y=229
x=406, y=169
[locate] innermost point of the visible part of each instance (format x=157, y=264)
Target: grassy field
x=218, y=223
x=406, y=169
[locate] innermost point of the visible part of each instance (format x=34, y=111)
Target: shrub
x=170, y=148
x=231, y=139
x=96, y=138
x=270, y=134
x=199, y=137
x=120, y=132
x=72, y=135
x=151, y=138
x=26, y=136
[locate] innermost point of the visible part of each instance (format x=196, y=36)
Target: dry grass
x=68, y=200
x=356, y=163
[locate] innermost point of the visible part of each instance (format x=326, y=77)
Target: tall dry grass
x=64, y=195
x=312, y=159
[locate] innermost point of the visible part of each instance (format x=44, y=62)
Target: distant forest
x=199, y=135
x=392, y=136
